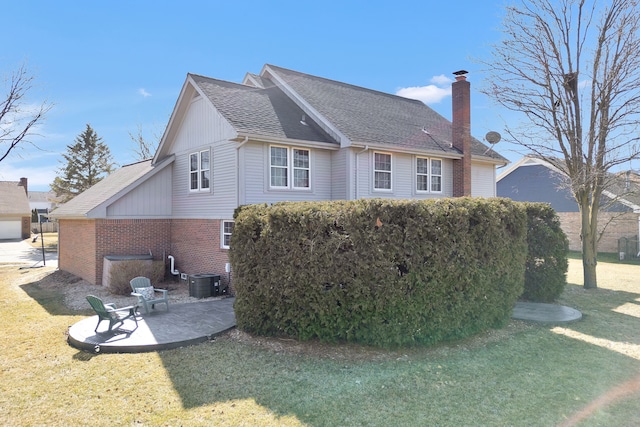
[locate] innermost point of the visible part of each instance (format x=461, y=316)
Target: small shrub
x=546, y=265
x=122, y=273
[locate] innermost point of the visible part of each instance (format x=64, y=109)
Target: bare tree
x=572, y=67
x=18, y=119
x=143, y=148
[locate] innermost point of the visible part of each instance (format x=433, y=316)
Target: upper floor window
x=382, y=171
x=289, y=167
x=225, y=236
x=199, y=171
x=428, y=175
x=436, y=176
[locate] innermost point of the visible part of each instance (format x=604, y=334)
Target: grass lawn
x=50, y=241
x=586, y=373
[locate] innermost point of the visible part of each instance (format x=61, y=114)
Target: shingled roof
x=13, y=199
x=82, y=205
x=259, y=111
x=371, y=117
x=279, y=102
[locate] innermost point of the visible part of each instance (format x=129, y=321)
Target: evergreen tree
x=87, y=162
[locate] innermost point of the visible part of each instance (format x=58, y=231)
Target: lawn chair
x=111, y=313
x=147, y=294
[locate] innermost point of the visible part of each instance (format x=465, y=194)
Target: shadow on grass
x=47, y=293
x=500, y=384
x=607, y=314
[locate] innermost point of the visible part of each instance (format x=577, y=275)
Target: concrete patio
x=192, y=323
x=182, y=325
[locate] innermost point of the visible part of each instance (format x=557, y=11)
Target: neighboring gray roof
x=13, y=199
x=368, y=116
x=81, y=205
x=259, y=111
x=533, y=179
x=42, y=196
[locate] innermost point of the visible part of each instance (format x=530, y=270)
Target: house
x=15, y=215
x=533, y=179
x=42, y=201
x=280, y=135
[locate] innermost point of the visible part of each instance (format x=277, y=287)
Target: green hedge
x=380, y=272
x=548, y=246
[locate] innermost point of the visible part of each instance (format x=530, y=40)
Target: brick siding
x=194, y=243
x=77, y=248
x=131, y=237
x=619, y=225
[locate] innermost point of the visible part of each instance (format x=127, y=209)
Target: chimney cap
x=461, y=72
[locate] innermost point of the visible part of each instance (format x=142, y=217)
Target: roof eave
x=286, y=141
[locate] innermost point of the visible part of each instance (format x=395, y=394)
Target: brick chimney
x=23, y=183
x=461, y=133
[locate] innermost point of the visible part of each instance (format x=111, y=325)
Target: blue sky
x=120, y=65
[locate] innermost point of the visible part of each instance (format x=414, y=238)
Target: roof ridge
x=226, y=82
x=347, y=84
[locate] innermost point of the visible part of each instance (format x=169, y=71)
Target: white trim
x=198, y=171
x=429, y=175
x=290, y=168
x=223, y=233
x=374, y=171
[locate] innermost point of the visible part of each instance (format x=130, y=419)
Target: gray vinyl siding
x=339, y=184
x=403, y=177
x=203, y=128
x=255, y=173
x=151, y=199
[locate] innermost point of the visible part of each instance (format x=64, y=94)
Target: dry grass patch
x=523, y=374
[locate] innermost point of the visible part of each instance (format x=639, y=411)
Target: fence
x=47, y=227
x=628, y=247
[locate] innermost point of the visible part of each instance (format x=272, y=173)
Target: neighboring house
x=534, y=180
x=43, y=201
x=15, y=215
x=279, y=136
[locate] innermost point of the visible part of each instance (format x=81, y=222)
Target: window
x=300, y=168
x=382, y=171
x=428, y=175
x=280, y=158
x=436, y=176
x=422, y=174
x=227, y=229
x=279, y=167
x=199, y=171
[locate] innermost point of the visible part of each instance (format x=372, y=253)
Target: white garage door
x=10, y=229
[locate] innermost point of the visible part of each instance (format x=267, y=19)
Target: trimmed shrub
x=121, y=274
x=381, y=272
x=546, y=267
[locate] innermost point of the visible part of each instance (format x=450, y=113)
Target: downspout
x=366, y=148
x=246, y=138
x=173, y=270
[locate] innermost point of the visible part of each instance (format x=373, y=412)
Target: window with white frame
x=436, y=176
x=225, y=235
x=289, y=167
x=199, y=171
x=428, y=175
x=422, y=174
x=382, y=171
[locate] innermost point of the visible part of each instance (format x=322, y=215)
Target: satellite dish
x=492, y=137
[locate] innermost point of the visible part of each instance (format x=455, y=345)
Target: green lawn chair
x=148, y=296
x=111, y=313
